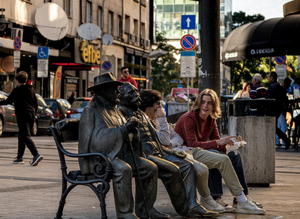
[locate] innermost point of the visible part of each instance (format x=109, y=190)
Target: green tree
x=243, y=70
x=240, y=18
x=164, y=68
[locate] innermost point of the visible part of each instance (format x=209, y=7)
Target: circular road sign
x=106, y=65
x=280, y=60
x=188, y=42
x=17, y=43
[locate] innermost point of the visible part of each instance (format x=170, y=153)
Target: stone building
x=25, y=27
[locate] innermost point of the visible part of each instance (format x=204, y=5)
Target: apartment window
x=143, y=30
x=178, y=8
x=127, y=24
x=88, y=12
x=46, y=1
x=136, y=27
x=99, y=20
x=120, y=26
x=110, y=22
x=189, y=8
x=67, y=7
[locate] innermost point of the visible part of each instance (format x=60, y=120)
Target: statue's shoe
x=199, y=211
x=155, y=214
x=129, y=216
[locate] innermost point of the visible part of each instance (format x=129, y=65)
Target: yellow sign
x=57, y=82
x=89, y=54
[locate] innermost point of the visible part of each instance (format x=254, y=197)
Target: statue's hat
x=104, y=78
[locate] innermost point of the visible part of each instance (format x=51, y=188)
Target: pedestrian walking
x=71, y=99
x=277, y=92
x=25, y=101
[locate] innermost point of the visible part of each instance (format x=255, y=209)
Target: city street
x=33, y=192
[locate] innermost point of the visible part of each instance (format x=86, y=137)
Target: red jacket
x=197, y=132
x=130, y=80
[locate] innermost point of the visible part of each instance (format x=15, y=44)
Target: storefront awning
x=272, y=37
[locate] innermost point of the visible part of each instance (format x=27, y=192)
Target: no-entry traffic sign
x=188, y=42
x=280, y=60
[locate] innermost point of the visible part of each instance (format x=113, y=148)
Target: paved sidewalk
x=33, y=192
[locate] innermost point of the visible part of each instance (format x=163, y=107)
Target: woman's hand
x=160, y=113
x=226, y=140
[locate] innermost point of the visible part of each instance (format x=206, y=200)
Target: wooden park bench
x=98, y=182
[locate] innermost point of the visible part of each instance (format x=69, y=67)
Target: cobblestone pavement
x=33, y=192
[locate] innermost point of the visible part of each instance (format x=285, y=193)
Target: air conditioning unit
x=16, y=32
x=142, y=41
x=147, y=43
x=131, y=37
x=136, y=39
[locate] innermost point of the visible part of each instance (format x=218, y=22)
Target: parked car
x=8, y=120
x=44, y=117
x=58, y=107
x=77, y=107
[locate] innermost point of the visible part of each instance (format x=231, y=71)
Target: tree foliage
x=240, y=18
x=164, y=68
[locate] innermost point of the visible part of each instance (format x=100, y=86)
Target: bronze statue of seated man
x=104, y=129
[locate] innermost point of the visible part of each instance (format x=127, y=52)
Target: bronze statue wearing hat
x=104, y=129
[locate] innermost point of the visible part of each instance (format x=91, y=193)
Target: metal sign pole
x=101, y=45
x=188, y=95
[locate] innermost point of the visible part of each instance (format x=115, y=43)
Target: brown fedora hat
x=105, y=78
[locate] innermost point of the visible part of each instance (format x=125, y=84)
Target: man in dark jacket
x=24, y=98
x=277, y=92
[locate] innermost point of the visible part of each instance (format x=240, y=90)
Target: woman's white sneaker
x=210, y=204
x=248, y=207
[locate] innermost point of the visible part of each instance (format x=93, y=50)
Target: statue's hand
x=131, y=124
x=180, y=154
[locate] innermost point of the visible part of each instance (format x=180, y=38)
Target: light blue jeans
x=281, y=124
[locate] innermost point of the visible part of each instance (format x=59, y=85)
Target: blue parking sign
x=43, y=52
x=188, y=22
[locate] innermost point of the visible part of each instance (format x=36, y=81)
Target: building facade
x=73, y=60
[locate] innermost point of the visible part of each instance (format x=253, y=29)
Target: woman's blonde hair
x=216, y=113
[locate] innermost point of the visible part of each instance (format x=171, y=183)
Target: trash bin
x=259, y=133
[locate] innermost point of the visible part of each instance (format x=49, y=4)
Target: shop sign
x=72, y=80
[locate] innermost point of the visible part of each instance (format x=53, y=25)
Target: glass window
x=110, y=22
x=99, y=16
x=120, y=26
x=178, y=8
x=189, y=8
x=159, y=8
x=127, y=24
x=168, y=8
x=190, y=2
x=179, y=1
x=136, y=27
x=67, y=7
x=159, y=2
x=88, y=12
x=168, y=1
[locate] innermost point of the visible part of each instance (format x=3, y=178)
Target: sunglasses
x=125, y=72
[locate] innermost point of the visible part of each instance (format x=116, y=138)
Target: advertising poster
x=57, y=82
